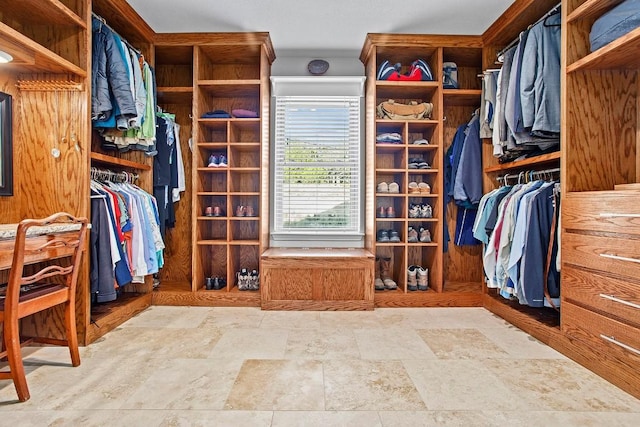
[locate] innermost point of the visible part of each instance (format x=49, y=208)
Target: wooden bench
x=317, y=279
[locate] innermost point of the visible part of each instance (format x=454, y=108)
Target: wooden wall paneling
x=178, y=248
x=370, y=151
x=597, y=157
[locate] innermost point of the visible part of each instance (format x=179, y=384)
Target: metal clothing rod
x=109, y=175
x=517, y=39
x=524, y=174
x=104, y=22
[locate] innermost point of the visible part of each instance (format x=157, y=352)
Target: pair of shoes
x=388, y=212
x=248, y=280
x=417, y=278
x=418, y=163
x=388, y=236
x=217, y=161
x=419, y=188
x=214, y=283
x=242, y=210
x=213, y=211
x=383, y=278
x=420, y=210
x=420, y=141
x=419, y=71
x=383, y=187
x=421, y=235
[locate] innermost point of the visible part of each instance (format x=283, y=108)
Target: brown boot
x=378, y=283
x=385, y=267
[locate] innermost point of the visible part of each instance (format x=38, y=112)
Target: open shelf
x=620, y=53
x=530, y=162
x=591, y=9
x=115, y=161
x=175, y=95
x=462, y=97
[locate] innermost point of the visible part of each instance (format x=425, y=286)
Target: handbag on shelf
x=398, y=111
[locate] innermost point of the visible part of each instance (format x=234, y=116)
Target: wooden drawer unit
x=602, y=211
x=613, y=296
x=603, y=335
x=618, y=255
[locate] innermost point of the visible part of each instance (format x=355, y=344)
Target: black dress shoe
x=208, y=283
x=219, y=283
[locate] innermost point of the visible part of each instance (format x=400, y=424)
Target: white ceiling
x=302, y=27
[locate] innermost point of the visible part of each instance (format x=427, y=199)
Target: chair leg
x=72, y=336
x=14, y=354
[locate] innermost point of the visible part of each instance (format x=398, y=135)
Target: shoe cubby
x=385, y=205
x=228, y=96
x=391, y=225
x=391, y=158
x=212, y=130
x=242, y=256
x=418, y=130
x=250, y=203
x=244, y=131
x=211, y=201
x=213, y=259
x=244, y=155
x=244, y=229
x=396, y=263
x=388, y=177
x=245, y=181
x=387, y=132
x=406, y=55
x=213, y=229
x=212, y=180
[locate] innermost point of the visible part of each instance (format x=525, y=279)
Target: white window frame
x=309, y=88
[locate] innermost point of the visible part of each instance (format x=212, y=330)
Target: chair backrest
x=57, y=243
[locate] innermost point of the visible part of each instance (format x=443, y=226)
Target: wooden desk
x=36, y=236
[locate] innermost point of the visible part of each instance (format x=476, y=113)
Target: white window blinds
x=317, y=169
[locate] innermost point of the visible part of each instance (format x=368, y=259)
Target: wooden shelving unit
x=531, y=162
x=451, y=107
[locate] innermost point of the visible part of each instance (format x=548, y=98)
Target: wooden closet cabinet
x=389, y=163
x=601, y=201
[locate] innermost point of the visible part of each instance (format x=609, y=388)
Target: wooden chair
x=59, y=240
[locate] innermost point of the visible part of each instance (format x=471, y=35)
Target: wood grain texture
x=602, y=211
x=590, y=288
x=594, y=252
x=127, y=22
x=515, y=19
x=598, y=157
x=591, y=330
x=203, y=298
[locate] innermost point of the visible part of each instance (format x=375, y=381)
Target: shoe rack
x=403, y=163
x=226, y=208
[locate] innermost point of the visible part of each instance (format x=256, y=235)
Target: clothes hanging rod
x=517, y=39
x=104, y=22
x=530, y=173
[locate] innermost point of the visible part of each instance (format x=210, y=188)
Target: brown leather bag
x=398, y=111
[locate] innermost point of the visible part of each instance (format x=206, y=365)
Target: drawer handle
x=621, y=301
x=612, y=340
x=616, y=215
x=621, y=258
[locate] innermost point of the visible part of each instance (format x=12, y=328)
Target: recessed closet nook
x=588, y=306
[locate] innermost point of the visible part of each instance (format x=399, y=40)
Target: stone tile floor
x=200, y=366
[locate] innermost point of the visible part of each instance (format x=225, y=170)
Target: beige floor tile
x=322, y=344
x=460, y=318
x=186, y=384
x=216, y=418
x=85, y=418
x=251, y=344
x=225, y=318
x=392, y=344
x=460, y=385
x=325, y=418
x=561, y=385
x=450, y=419
x=145, y=342
x=290, y=320
x=520, y=345
x=349, y=319
x=159, y=316
x=369, y=385
x=266, y=385
x=460, y=344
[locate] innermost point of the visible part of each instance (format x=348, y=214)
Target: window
x=318, y=163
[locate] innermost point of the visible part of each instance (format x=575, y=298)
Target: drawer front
x=613, y=296
x=604, y=211
x=617, y=256
x=602, y=334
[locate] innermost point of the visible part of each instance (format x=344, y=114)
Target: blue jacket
x=110, y=82
x=540, y=78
